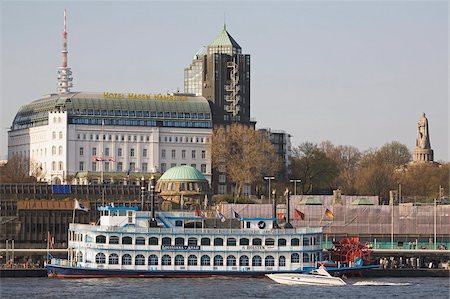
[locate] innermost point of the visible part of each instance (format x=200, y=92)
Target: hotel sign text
x=142, y=96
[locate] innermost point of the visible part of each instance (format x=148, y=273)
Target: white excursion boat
x=318, y=277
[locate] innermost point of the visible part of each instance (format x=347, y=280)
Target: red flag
x=199, y=213
x=329, y=213
x=280, y=215
x=299, y=214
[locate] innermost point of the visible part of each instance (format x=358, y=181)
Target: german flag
x=299, y=214
x=329, y=213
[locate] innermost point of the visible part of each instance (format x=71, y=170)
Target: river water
x=427, y=287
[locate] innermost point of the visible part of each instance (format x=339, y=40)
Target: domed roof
x=182, y=173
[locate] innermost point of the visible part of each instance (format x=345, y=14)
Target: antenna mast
x=64, y=72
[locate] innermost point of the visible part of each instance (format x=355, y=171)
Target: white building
x=87, y=137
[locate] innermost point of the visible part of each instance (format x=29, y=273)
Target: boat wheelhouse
x=127, y=243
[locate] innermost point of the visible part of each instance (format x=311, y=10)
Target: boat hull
x=306, y=279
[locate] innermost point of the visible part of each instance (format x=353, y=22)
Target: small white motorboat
x=318, y=277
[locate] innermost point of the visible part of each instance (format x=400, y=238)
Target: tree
x=395, y=153
x=245, y=154
x=313, y=167
x=20, y=170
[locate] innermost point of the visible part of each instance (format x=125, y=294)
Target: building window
x=163, y=167
x=53, y=165
x=132, y=152
x=153, y=260
x=193, y=154
x=106, y=166
x=53, y=150
x=166, y=260
x=218, y=260
x=100, y=258
x=269, y=261
x=139, y=260
x=144, y=152
x=295, y=258
x=60, y=135
x=203, y=168
x=81, y=168
x=81, y=151
x=243, y=261
x=205, y=260
x=282, y=261
x=119, y=152
x=179, y=260
x=192, y=260
x=163, y=153
x=256, y=261
x=222, y=178
x=126, y=259
x=132, y=167
x=203, y=154
x=94, y=151
x=144, y=167
x=53, y=135
x=173, y=154
x=173, y=165
x=119, y=166
x=60, y=165
x=222, y=189
x=107, y=151
x=183, y=154
x=60, y=150
x=113, y=259
x=94, y=166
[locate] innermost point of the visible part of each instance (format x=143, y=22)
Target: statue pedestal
x=423, y=155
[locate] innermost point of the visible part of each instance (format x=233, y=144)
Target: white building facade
x=79, y=137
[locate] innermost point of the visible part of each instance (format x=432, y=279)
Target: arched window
x=244, y=241
x=113, y=240
x=218, y=260
x=79, y=257
x=270, y=241
x=295, y=242
x=256, y=261
x=179, y=241
x=205, y=241
x=166, y=241
x=100, y=258
x=282, y=261
x=126, y=259
x=166, y=260
x=231, y=242
x=53, y=150
x=100, y=239
x=153, y=260
x=179, y=260
x=127, y=240
x=53, y=165
x=231, y=260
x=205, y=260
x=140, y=241
x=218, y=242
x=243, y=260
x=192, y=242
x=53, y=135
x=60, y=165
x=295, y=258
x=281, y=242
x=306, y=257
x=113, y=259
x=305, y=241
x=256, y=241
x=60, y=135
x=60, y=150
x=153, y=241
x=139, y=260
x=269, y=261
x=192, y=260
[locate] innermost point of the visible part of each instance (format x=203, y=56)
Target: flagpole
x=73, y=214
x=48, y=249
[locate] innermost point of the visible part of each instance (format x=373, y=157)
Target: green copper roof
x=310, y=201
x=225, y=39
x=183, y=173
x=362, y=202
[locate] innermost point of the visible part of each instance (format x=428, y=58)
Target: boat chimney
x=274, y=209
x=153, y=222
x=287, y=194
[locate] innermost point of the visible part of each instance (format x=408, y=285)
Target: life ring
x=261, y=224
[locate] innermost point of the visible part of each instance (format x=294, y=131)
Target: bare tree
x=19, y=170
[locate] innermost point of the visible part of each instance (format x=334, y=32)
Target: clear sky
x=354, y=73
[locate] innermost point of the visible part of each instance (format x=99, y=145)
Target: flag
x=329, y=213
x=50, y=240
x=80, y=206
x=281, y=216
x=221, y=216
x=299, y=214
x=236, y=215
x=199, y=213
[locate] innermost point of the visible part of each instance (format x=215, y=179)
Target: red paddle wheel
x=349, y=249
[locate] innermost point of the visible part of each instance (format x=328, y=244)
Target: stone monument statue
x=423, y=151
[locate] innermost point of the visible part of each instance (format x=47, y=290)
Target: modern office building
x=281, y=142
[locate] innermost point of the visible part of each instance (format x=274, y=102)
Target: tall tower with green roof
x=225, y=79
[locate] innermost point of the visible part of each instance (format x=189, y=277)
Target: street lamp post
x=142, y=192
x=269, y=178
x=295, y=181
x=151, y=186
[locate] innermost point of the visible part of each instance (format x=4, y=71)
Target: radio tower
x=64, y=72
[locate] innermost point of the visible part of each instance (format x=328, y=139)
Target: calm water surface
x=220, y=288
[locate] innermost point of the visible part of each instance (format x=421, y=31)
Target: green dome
x=182, y=173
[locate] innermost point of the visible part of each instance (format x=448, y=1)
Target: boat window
x=218, y=242
x=231, y=242
x=126, y=259
x=113, y=240
x=243, y=260
x=179, y=241
x=305, y=241
x=295, y=258
x=100, y=239
x=218, y=260
x=166, y=241
x=205, y=241
x=179, y=260
x=282, y=261
x=114, y=213
x=113, y=259
x=244, y=241
x=295, y=242
x=178, y=223
x=192, y=242
x=79, y=257
x=281, y=242
x=205, y=260
x=153, y=241
x=231, y=260
x=140, y=241
x=269, y=261
x=122, y=213
x=166, y=260
x=270, y=241
x=192, y=260
x=313, y=240
x=153, y=260
x=139, y=260
x=127, y=240
x=100, y=258
x=256, y=241
x=306, y=257
x=256, y=261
